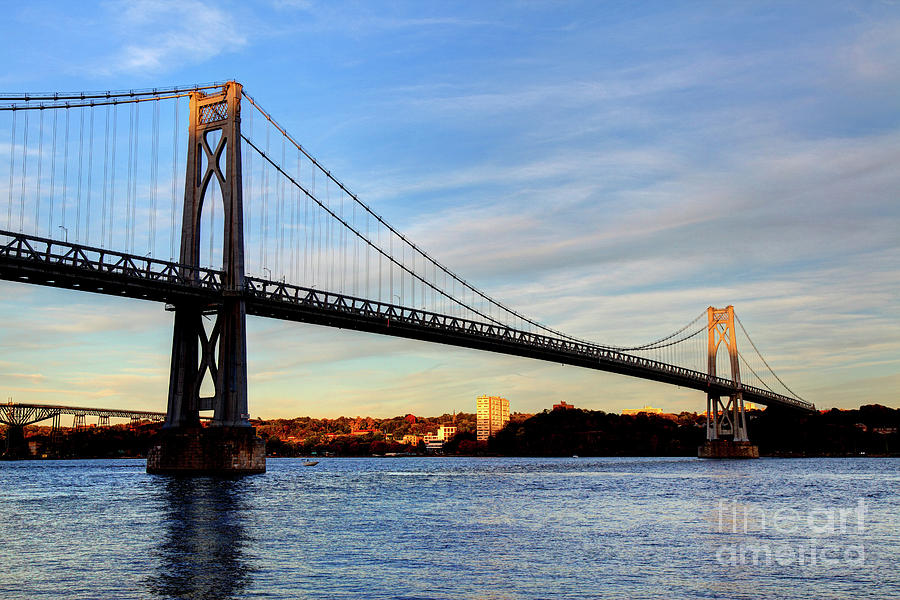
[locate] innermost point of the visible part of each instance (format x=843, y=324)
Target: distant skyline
x=610, y=169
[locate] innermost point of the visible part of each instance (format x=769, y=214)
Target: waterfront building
x=492, y=413
x=563, y=406
x=444, y=433
x=365, y=432
x=646, y=410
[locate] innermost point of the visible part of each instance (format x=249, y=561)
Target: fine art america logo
x=820, y=537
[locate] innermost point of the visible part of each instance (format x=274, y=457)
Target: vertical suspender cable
x=339, y=257
x=130, y=163
x=278, y=224
x=284, y=219
x=314, y=244
x=12, y=163
x=24, y=172
x=103, y=194
x=294, y=210
x=368, y=254
x=262, y=213
x=300, y=271
x=112, y=174
x=80, y=175
x=266, y=206
x=52, y=177
x=87, y=220
x=172, y=231
x=137, y=114
x=248, y=197
x=391, y=266
x=316, y=266
x=295, y=217
x=343, y=237
x=380, y=272
x=279, y=189
x=37, y=196
x=329, y=222
x=65, y=181
x=155, y=176
x=305, y=279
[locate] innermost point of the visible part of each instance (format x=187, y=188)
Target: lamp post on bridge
x=66, y=232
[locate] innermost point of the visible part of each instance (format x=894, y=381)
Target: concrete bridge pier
x=726, y=422
x=207, y=451
x=214, y=357
x=16, y=447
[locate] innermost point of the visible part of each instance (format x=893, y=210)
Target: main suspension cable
x=57, y=96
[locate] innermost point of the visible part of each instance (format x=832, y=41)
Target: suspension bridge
x=262, y=228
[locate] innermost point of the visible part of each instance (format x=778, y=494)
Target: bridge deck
x=68, y=265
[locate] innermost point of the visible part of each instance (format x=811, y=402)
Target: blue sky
x=610, y=169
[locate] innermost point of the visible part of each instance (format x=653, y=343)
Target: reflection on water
x=201, y=553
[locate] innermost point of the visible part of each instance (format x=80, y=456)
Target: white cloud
x=875, y=54
x=158, y=35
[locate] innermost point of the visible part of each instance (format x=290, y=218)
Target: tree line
x=868, y=430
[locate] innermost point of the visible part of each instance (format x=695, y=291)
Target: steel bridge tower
x=726, y=422
x=219, y=356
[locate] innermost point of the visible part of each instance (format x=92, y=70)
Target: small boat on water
x=310, y=463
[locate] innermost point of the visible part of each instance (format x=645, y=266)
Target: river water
x=491, y=528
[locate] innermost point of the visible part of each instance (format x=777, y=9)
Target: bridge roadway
x=42, y=261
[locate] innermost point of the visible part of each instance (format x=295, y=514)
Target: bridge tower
x=229, y=444
x=726, y=422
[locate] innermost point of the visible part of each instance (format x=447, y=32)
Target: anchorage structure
x=230, y=443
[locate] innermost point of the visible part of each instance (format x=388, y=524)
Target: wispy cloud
x=875, y=54
x=157, y=35
x=33, y=377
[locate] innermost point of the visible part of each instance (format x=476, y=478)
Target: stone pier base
x=207, y=451
x=727, y=449
x=16, y=447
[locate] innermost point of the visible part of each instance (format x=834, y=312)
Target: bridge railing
x=99, y=260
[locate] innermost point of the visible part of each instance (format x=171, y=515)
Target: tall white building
x=492, y=413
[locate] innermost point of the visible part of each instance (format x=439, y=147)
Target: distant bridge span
x=17, y=414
